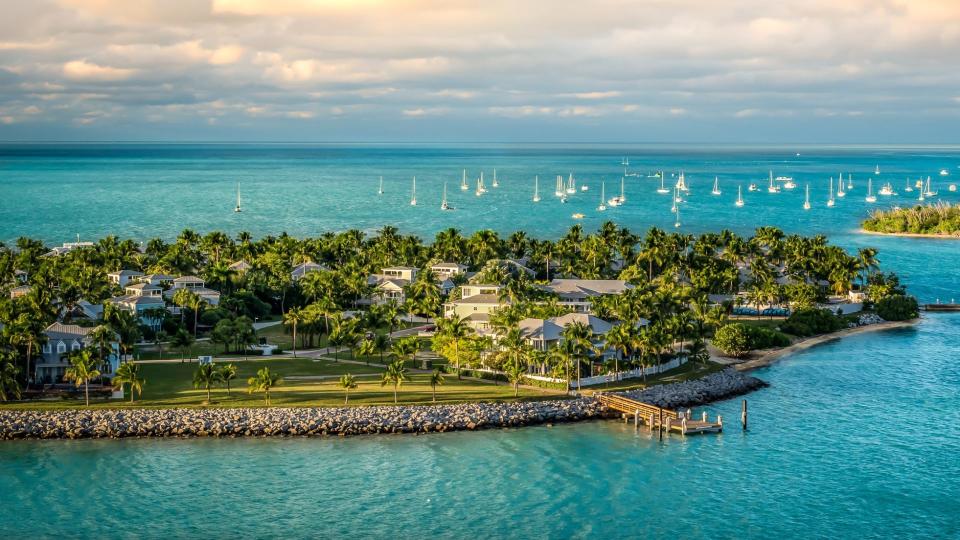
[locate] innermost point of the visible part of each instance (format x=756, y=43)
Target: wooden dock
x=942, y=307
x=666, y=420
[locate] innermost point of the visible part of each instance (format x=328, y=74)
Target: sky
x=732, y=71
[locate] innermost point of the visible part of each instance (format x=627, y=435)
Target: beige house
x=576, y=294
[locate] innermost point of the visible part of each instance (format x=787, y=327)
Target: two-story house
x=475, y=306
x=576, y=294
x=61, y=340
x=196, y=286
x=388, y=285
x=123, y=277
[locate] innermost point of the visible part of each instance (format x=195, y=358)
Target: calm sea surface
x=55, y=192
x=854, y=438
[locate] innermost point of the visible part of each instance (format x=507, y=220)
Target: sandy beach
x=770, y=356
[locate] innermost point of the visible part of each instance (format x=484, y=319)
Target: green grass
x=171, y=385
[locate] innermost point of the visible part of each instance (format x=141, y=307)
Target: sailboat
x=536, y=189
x=806, y=202
x=463, y=182
x=840, y=192
x=927, y=190
x=876, y=170
x=716, y=186
x=380, y=191
x=413, y=192
x=676, y=197
x=559, y=190
x=481, y=189
x=625, y=173
x=443, y=204
x=944, y=172
x=603, y=188
x=849, y=182
x=662, y=190
x=772, y=188
x=617, y=201
x=871, y=198
x=495, y=182
x=830, y=201
x=676, y=221
x=571, y=185
x=788, y=182
x=682, y=182
x=238, y=209
x=908, y=188
x=739, y=202
x=886, y=190
x=625, y=162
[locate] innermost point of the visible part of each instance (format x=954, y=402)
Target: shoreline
x=937, y=236
x=772, y=356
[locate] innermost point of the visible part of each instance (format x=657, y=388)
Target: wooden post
x=683, y=426
x=669, y=424
x=661, y=424
x=720, y=421
x=743, y=415
x=651, y=421
x=704, y=417
x=689, y=415
x=636, y=419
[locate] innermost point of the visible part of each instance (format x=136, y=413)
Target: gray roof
x=586, y=288
x=188, y=279
x=59, y=330
x=122, y=273
x=481, y=299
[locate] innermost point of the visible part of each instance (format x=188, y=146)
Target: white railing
x=601, y=379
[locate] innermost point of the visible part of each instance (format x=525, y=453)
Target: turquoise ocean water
x=854, y=438
x=55, y=192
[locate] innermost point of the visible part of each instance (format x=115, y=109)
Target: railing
x=631, y=406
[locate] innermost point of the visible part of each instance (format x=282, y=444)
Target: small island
x=933, y=220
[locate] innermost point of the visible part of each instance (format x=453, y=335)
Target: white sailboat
x=380, y=191
x=840, y=192
x=481, y=189
x=625, y=162
x=752, y=187
x=739, y=202
x=928, y=191
x=559, y=190
x=871, y=198
x=443, y=204
x=625, y=173
x=788, y=182
x=495, y=182
x=886, y=190
x=676, y=220
x=849, y=182
x=663, y=189
x=676, y=196
x=238, y=209
x=536, y=189
x=571, y=185
x=907, y=187
x=876, y=170
x=603, y=188
x=806, y=202
x=618, y=200
x=413, y=192
x=772, y=188
x=463, y=182
x=830, y=201
x=716, y=186
x=944, y=172
x=682, y=182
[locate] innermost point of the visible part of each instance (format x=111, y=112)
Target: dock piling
x=743, y=415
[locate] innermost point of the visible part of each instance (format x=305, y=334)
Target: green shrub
x=898, y=308
x=765, y=338
x=810, y=322
x=733, y=339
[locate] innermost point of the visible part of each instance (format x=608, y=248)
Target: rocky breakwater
x=117, y=423
x=717, y=386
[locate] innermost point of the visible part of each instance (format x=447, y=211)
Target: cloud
x=597, y=95
x=88, y=71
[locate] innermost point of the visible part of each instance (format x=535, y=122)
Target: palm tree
x=158, y=339
x=406, y=348
x=129, y=373
x=366, y=348
x=9, y=386
x=396, y=374
x=515, y=374
x=620, y=338
x=347, y=382
x=82, y=370
x=382, y=343
x=578, y=335
x=102, y=336
x=457, y=330
x=264, y=382
x=183, y=341
x=561, y=356
x=206, y=376
x=292, y=318
x=228, y=372
x=436, y=378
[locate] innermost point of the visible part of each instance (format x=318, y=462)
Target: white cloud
x=83, y=70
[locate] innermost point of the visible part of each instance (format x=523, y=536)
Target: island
x=347, y=333
x=931, y=220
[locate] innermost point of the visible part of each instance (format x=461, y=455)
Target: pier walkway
x=666, y=419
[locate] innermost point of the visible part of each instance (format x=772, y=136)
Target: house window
x=61, y=347
x=46, y=348
x=75, y=346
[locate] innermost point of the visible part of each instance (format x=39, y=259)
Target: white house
x=305, y=268
x=123, y=277
x=196, y=286
x=447, y=270
x=576, y=294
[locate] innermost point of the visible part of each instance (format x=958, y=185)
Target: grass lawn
x=171, y=385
